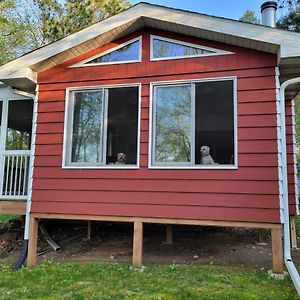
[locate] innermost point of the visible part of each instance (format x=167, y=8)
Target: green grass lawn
x=63, y=280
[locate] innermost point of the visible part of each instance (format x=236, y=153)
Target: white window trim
x=85, y=64
x=68, y=121
x=218, y=51
x=151, y=150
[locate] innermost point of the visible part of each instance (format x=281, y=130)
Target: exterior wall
x=291, y=159
x=249, y=193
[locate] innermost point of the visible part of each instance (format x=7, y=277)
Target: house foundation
x=276, y=233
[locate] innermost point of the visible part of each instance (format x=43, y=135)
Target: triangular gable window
x=164, y=48
x=125, y=53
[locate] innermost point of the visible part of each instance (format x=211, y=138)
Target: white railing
x=15, y=167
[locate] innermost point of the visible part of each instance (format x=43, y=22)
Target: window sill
x=208, y=167
x=108, y=167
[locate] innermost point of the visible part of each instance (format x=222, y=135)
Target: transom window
x=102, y=123
x=193, y=124
x=127, y=52
x=165, y=48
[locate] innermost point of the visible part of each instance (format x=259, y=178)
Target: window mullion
x=70, y=121
x=193, y=121
x=104, y=125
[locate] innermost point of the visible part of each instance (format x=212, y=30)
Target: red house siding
x=249, y=193
x=290, y=157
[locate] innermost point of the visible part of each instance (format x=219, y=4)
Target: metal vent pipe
x=268, y=13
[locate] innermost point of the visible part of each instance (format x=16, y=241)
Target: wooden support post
x=32, y=246
x=137, y=244
x=89, y=230
x=293, y=232
x=277, y=250
x=260, y=236
x=169, y=234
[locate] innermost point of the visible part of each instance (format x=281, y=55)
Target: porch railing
x=15, y=167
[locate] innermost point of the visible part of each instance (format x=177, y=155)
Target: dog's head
x=204, y=150
x=121, y=157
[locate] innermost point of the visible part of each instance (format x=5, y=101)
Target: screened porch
x=15, y=147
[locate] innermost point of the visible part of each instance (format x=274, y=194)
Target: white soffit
x=143, y=14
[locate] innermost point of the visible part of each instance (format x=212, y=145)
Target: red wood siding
x=249, y=193
x=290, y=158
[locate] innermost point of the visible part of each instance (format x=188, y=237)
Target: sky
x=232, y=9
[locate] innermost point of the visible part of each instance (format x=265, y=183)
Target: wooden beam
x=89, y=230
x=13, y=207
x=33, y=237
x=169, y=234
x=277, y=250
x=158, y=220
x=137, y=244
x=293, y=232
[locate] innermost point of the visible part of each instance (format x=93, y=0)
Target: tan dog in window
x=121, y=159
x=206, y=159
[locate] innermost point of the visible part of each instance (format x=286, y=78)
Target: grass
x=63, y=280
x=8, y=220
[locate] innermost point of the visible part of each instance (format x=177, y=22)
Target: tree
x=26, y=25
x=60, y=20
x=249, y=17
x=290, y=20
x=12, y=32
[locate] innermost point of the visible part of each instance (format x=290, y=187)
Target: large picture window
x=193, y=124
x=102, y=127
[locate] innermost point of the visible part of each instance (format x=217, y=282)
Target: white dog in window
x=121, y=159
x=206, y=159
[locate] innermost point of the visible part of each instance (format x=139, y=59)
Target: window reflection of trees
x=127, y=53
x=87, y=127
x=173, y=124
x=168, y=49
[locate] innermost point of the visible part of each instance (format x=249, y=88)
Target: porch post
x=169, y=234
x=277, y=250
x=32, y=246
x=137, y=244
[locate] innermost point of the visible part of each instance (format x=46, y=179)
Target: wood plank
x=256, y=96
x=245, y=173
x=13, y=207
x=160, y=211
x=203, y=186
x=181, y=221
x=57, y=127
x=53, y=106
x=33, y=237
x=277, y=250
x=157, y=198
x=258, y=108
x=137, y=245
